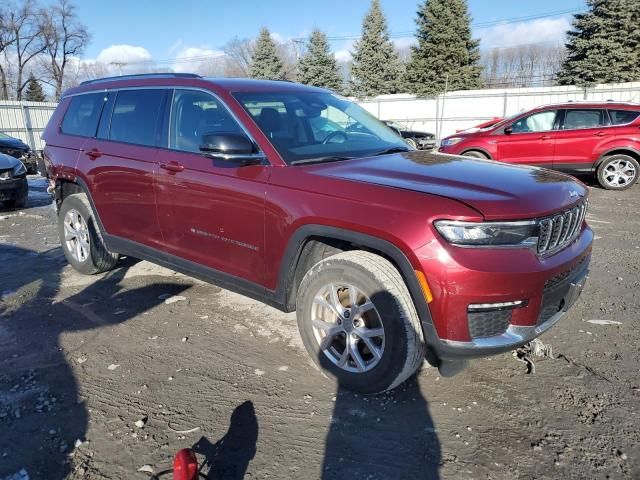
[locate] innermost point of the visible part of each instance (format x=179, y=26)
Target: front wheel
x=618, y=172
x=81, y=241
x=358, y=322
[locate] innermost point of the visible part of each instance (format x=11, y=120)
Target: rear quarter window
x=620, y=117
x=83, y=114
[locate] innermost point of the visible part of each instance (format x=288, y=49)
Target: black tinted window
x=83, y=114
x=577, y=119
x=620, y=117
x=135, y=116
x=195, y=114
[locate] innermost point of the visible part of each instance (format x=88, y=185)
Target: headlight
x=488, y=234
x=19, y=170
x=447, y=142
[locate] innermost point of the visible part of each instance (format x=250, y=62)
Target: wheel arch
x=632, y=152
x=478, y=149
x=293, y=265
x=66, y=187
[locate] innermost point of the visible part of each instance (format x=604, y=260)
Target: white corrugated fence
x=442, y=115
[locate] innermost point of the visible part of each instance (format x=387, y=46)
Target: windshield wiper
x=391, y=150
x=332, y=158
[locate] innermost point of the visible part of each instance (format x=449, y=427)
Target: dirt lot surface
x=102, y=375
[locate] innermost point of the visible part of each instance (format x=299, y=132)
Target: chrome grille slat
x=558, y=231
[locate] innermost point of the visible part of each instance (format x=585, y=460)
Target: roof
x=189, y=79
x=591, y=104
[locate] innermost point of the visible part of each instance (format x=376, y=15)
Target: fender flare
x=478, y=149
x=607, y=152
x=85, y=189
x=296, y=242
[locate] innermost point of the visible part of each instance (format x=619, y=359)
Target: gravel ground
x=102, y=375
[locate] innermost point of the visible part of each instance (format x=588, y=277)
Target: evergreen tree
x=604, y=45
x=376, y=68
x=445, y=50
x=318, y=66
x=34, y=91
x=265, y=62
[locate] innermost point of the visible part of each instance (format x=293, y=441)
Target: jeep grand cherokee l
x=385, y=253
x=600, y=139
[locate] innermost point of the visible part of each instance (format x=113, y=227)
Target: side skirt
x=206, y=274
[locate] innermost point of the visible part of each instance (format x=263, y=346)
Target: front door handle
x=172, y=167
x=93, y=153
x=600, y=134
x=545, y=137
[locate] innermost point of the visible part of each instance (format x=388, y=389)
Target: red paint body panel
x=239, y=220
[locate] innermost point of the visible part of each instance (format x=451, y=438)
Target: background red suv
x=577, y=138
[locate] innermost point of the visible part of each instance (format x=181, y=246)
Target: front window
x=538, y=122
x=309, y=125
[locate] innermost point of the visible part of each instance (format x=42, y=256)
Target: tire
x=476, y=154
x=94, y=257
x=401, y=349
x=618, y=172
x=411, y=142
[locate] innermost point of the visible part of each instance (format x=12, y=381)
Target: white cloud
x=127, y=54
x=546, y=30
x=204, y=61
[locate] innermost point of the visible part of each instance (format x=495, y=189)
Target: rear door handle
x=600, y=134
x=93, y=153
x=545, y=137
x=172, y=167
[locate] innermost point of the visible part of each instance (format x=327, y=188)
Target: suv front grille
x=561, y=229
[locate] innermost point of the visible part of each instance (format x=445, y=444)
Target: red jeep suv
x=385, y=253
x=575, y=137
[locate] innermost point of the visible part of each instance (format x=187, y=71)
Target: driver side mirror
x=508, y=130
x=231, y=147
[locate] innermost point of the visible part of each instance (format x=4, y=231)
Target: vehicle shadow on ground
x=385, y=436
x=41, y=413
x=230, y=456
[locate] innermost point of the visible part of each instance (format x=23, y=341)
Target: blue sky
x=163, y=29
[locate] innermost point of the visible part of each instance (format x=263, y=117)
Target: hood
x=13, y=143
x=496, y=190
x=7, y=161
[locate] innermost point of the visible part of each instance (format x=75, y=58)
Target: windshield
x=318, y=125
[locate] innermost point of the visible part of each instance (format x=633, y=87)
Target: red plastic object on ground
x=185, y=465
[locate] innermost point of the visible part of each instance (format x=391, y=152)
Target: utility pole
x=119, y=65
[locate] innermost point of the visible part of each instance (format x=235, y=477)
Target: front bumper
x=13, y=189
x=426, y=143
x=460, y=277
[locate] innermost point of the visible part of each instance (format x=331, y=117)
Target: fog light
x=486, y=307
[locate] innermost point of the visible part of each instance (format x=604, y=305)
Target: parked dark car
x=20, y=150
x=591, y=138
x=13, y=182
x=418, y=140
x=384, y=252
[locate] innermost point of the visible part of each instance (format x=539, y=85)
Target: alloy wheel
x=76, y=235
x=348, y=328
x=619, y=173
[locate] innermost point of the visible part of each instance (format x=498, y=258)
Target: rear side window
x=620, y=117
x=83, y=114
x=135, y=116
x=578, y=119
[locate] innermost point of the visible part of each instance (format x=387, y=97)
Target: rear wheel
x=618, y=172
x=358, y=322
x=81, y=241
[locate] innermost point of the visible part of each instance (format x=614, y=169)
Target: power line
x=397, y=35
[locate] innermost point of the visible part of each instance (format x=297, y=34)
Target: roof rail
x=142, y=75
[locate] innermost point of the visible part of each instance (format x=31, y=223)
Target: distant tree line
x=38, y=44
x=44, y=46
